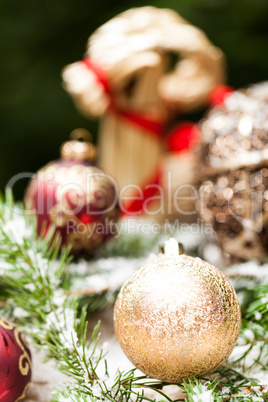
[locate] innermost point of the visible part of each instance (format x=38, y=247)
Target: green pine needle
x=35, y=280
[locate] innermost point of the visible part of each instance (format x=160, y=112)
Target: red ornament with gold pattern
x=75, y=196
x=16, y=364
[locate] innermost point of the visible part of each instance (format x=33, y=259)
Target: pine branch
x=36, y=290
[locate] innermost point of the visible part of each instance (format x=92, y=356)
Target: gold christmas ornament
x=233, y=172
x=177, y=316
x=75, y=196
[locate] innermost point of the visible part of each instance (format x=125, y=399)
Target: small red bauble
x=16, y=364
x=75, y=196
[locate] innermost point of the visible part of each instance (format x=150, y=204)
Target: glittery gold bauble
x=74, y=196
x=233, y=172
x=177, y=316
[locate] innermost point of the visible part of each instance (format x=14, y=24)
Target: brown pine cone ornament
x=233, y=173
x=74, y=196
x=177, y=316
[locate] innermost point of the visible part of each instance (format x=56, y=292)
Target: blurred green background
x=38, y=38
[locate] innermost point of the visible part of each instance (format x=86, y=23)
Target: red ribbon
x=219, y=94
x=155, y=127
x=183, y=137
x=149, y=190
x=152, y=127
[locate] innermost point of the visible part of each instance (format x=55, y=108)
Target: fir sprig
x=35, y=289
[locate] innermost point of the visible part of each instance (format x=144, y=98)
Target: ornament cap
x=79, y=148
x=171, y=248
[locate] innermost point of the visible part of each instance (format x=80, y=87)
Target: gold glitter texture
x=177, y=317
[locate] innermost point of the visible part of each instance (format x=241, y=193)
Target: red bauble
x=76, y=197
x=16, y=364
